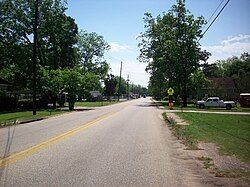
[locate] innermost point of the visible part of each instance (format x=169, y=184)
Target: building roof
x=223, y=82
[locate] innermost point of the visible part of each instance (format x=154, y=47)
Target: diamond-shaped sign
x=170, y=91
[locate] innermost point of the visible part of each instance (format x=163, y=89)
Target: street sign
x=170, y=91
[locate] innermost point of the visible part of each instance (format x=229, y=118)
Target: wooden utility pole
x=35, y=32
x=120, y=79
x=128, y=87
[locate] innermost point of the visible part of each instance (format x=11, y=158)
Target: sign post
x=170, y=99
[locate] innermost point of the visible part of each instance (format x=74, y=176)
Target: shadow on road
x=83, y=109
x=4, y=169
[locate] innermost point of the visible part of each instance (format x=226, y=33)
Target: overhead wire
x=213, y=13
x=214, y=20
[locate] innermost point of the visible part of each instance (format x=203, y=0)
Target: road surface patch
x=27, y=152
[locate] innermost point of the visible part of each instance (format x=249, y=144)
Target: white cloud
x=115, y=47
x=239, y=38
x=232, y=46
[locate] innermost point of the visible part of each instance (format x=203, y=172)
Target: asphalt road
x=126, y=144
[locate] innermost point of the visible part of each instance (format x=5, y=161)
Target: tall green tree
x=123, y=86
x=91, y=50
x=171, y=48
x=110, y=83
x=90, y=82
x=57, y=34
x=197, y=81
x=71, y=84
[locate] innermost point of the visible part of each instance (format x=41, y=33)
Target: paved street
x=126, y=144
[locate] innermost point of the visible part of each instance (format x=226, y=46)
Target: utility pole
x=139, y=91
x=119, y=88
x=133, y=89
x=35, y=32
x=128, y=87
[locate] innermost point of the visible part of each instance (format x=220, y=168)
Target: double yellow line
x=27, y=152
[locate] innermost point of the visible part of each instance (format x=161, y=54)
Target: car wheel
x=201, y=106
x=228, y=107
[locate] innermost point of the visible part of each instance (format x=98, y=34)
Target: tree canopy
x=67, y=60
x=170, y=46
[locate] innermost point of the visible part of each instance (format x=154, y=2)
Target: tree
x=71, y=84
x=171, y=48
x=237, y=68
x=58, y=37
x=110, y=83
x=91, y=50
x=90, y=82
x=57, y=34
x=55, y=44
x=212, y=70
x=50, y=84
x=123, y=87
x=197, y=81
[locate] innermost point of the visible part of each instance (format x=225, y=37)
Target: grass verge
x=181, y=133
x=230, y=132
x=95, y=104
x=11, y=118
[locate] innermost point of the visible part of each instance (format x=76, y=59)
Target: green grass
x=95, y=104
x=230, y=132
x=9, y=118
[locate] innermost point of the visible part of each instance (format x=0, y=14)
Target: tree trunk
x=54, y=102
x=71, y=103
x=184, y=95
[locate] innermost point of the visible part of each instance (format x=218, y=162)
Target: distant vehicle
x=245, y=99
x=215, y=102
x=144, y=96
x=95, y=96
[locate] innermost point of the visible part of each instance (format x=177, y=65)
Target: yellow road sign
x=170, y=91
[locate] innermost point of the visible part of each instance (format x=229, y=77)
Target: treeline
x=69, y=60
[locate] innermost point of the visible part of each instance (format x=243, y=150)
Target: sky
x=120, y=21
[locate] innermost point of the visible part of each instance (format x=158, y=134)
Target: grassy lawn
x=95, y=104
x=230, y=132
x=8, y=118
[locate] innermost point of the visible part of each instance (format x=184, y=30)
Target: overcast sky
x=120, y=21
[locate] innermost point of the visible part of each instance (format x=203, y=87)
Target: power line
x=213, y=13
x=214, y=20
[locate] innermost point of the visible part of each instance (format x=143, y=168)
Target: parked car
x=215, y=102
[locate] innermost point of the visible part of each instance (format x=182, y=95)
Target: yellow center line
x=27, y=152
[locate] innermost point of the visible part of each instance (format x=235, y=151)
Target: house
x=223, y=87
